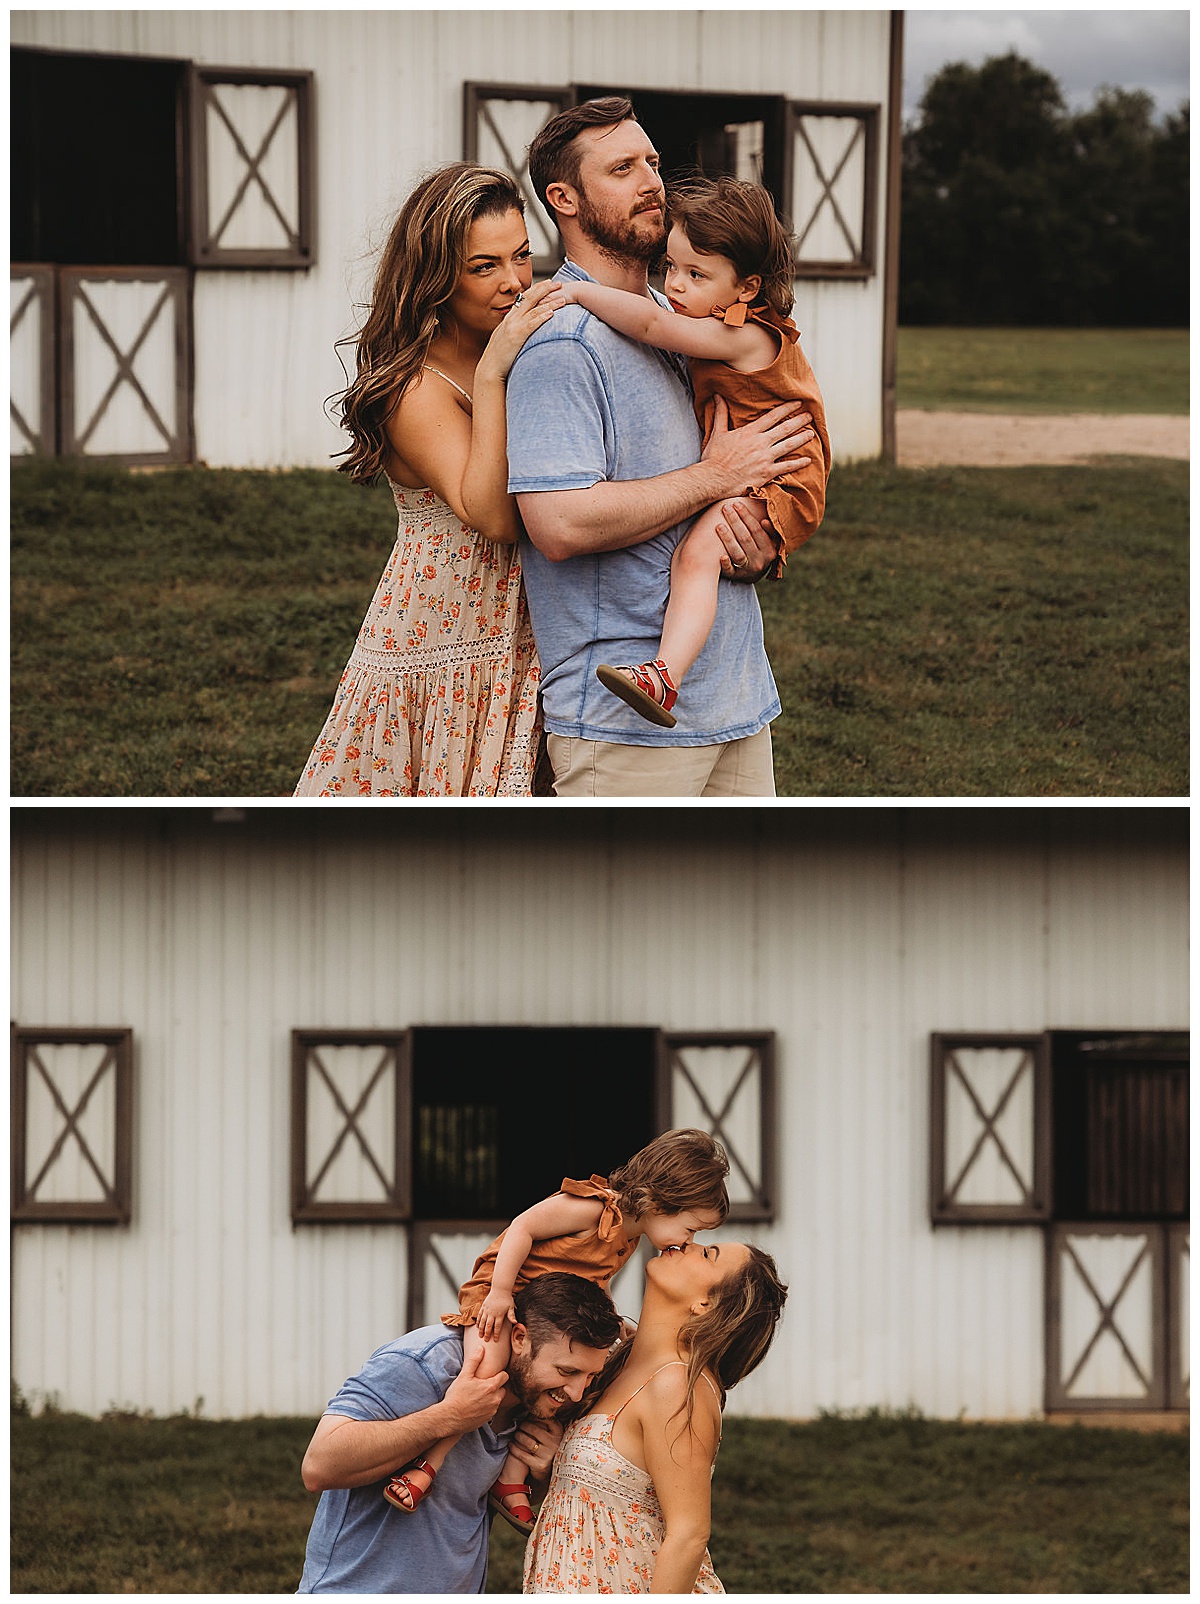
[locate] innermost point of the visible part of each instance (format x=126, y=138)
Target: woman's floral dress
x=600, y=1526
x=439, y=697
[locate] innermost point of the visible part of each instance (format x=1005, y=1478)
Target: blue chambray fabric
x=585, y=404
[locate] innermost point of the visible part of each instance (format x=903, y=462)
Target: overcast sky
x=1082, y=49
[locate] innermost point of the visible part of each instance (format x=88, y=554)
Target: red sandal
x=405, y=1494
x=522, y=1516
x=648, y=688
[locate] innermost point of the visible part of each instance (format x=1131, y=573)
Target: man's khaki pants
x=607, y=768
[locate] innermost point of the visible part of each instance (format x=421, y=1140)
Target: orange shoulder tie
x=734, y=316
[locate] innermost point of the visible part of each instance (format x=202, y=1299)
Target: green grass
x=948, y=632
x=875, y=1504
x=1043, y=370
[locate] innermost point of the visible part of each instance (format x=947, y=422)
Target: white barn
x=197, y=196
x=277, y=1072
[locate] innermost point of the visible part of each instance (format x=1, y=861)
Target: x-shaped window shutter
x=253, y=190
x=724, y=1082
x=72, y=1125
x=990, y=1129
x=125, y=363
x=31, y=361
x=499, y=121
x=1105, y=1327
x=351, y=1125
x=834, y=157
x=1179, y=1376
x=441, y=1255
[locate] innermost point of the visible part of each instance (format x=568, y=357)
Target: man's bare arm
x=353, y=1453
x=613, y=514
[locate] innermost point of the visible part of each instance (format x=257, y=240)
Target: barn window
x=128, y=172
x=351, y=1110
x=252, y=189
x=819, y=160
x=1086, y=1133
x=724, y=1082
x=72, y=1125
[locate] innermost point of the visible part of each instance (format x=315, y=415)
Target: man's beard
x=620, y=237
x=528, y=1397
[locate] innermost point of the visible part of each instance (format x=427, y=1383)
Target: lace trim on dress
x=438, y=654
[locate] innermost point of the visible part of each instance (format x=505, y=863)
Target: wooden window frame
x=1178, y=1388
x=397, y=1206
x=43, y=436
x=1057, y=1398
x=203, y=251
x=475, y=97
x=943, y=1210
x=180, y=444
x=420, y=1246
x=862, y=266
x=117, y=1207
x=763, y=1207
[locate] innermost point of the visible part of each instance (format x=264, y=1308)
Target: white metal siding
x=389, y=108
x=852, y=941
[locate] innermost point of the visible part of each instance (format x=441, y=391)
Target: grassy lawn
x=878, y=1504
x=949, y=632
x=1043, y=370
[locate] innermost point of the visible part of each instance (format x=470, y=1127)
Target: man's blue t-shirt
x=586, y=404
x=358, y=1542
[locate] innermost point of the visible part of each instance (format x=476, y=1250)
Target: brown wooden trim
x=397, y=1206
x=891, y=234
x=420, y=1233
x=475, y=97
x=45, y=441
x=203, y=251
x=1178, y=1248
x=763, y=1206
x=73, y=282
x=863, y=266
x=943, y=1210
x=117, y=1208
x=1056, y=1396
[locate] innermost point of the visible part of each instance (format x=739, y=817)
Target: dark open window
x=96, y=157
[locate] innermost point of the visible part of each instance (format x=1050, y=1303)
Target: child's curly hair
x=731, y=218
x=678, y=1170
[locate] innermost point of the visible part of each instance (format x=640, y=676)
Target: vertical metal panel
x=389, y=85
x=852, y=937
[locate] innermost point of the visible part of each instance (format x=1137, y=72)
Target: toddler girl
x=729, y=273
x=666, y=1193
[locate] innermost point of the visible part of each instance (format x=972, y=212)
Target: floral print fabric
x=439, y=697
x=600, y=1525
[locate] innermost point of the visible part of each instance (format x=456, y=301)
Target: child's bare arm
x=554, y=1216
x=641, y=318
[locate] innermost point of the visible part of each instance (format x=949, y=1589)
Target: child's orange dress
x=596, y=1254
x=796, y=501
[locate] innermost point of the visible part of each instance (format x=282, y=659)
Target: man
x=412, y=1393
x=604, y=459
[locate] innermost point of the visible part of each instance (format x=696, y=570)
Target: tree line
x=1016, y=211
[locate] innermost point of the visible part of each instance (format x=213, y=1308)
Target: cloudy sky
x=1082, y=49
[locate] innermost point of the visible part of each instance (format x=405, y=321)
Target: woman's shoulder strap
x=649, y=1379
x=429, y=368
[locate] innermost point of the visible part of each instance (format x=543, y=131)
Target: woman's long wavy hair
x=421, y=263
x=729, y=1339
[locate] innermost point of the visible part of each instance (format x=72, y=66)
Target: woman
x=439, y=697
x=628, y=1506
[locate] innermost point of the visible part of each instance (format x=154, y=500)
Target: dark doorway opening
x=501, y=1114
x=97, y=160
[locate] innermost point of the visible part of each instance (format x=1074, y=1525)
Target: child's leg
x=692, y=605
x=495, y=1358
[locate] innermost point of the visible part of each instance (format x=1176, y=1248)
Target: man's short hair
x=554, y=157
x=558, y=1304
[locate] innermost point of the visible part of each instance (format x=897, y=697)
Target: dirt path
x=985, y=440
